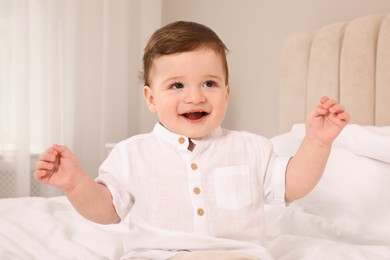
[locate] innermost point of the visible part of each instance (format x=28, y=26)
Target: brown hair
x=180, y=37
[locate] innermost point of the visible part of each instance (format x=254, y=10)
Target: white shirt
x=209, y=199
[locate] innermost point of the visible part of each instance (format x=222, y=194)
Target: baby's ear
x=228, y=89
x=149, y=98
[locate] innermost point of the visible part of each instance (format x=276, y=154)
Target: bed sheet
x=297, y=235
x=49, y=228
x=40, y=228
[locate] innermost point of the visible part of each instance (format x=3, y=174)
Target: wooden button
x=194, y=166
x=181, y=140
x=200, y=212
x=196, y=190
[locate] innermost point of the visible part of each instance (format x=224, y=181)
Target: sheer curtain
x=67, y=75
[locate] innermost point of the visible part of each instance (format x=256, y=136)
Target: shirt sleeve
x=275, y=176
x=112, y=175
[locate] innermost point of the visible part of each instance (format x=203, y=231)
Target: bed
x=345, y=217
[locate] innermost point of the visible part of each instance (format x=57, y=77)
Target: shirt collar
x=182, y=141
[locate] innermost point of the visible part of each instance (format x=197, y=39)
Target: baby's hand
x=58, y=167
x=326, y=121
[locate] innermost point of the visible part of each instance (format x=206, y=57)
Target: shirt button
x=200, y=212
x=196, y=190
x=181, y=140
x=194, y=166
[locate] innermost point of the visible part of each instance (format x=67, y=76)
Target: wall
x=254, y=31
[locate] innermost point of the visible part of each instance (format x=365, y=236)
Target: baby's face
x=188, y=92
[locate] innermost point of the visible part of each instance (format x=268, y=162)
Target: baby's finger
x=40, y=175
x=324, y=99
x=336, y=108
x=46, y=166
x=328, y=103
x=344, y=116
x=62, y=150
x=51, y=151
x=318, y=111
x=48, y=157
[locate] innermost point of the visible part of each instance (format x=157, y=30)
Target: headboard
x=347, y=61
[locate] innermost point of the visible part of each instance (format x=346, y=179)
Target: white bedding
x=40, y=228
x=347, y=216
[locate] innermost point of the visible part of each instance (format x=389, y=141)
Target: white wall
x=254, y=31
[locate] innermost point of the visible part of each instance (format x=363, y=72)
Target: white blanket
x=39, y=228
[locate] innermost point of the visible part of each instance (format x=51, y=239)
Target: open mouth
x=195, y=115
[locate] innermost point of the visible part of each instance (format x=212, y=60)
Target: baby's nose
x=195, y=95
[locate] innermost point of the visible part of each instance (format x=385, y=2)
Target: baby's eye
x=209, y=84
x=177, y=85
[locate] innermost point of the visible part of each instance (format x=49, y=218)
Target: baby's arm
x=305, y=169
x=58, y=167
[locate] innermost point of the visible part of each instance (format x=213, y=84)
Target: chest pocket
x=232, y=187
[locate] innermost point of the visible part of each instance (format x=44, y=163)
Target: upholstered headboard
x=348, y=61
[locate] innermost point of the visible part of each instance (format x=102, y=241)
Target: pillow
x=355, y=185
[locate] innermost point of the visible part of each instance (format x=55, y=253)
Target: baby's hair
x=181, y=36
